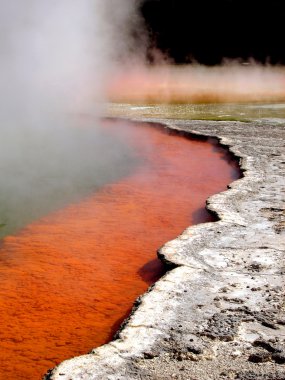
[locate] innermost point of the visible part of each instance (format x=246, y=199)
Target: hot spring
x=75, y=255
x=85, y=204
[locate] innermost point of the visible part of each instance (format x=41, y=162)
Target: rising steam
x=55, y=56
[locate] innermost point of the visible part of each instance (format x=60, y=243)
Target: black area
x=152, y=271
x=208, y=31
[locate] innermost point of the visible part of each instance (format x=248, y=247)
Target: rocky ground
x=219, y=313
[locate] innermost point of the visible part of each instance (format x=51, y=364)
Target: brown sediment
x=68, y=278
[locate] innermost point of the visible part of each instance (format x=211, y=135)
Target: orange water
x=68, y=278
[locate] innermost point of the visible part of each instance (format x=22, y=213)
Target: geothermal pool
x=71, y=270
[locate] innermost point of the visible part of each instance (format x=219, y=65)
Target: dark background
x=207, y=31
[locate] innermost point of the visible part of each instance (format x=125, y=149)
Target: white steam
x=55, y=56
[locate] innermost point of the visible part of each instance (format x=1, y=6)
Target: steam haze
x=55, y=56
x=58, y=61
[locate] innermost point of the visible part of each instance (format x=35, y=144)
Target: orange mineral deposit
x=68, y=279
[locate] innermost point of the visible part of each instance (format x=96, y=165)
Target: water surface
x=69, y=277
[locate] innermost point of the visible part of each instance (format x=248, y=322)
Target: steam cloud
x=55, y=56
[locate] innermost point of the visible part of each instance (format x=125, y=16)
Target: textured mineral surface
x=219, y=312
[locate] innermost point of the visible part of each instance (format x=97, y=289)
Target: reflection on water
x=42, y=170
x=68, y=278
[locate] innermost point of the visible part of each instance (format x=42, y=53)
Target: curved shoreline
x=220, y=312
